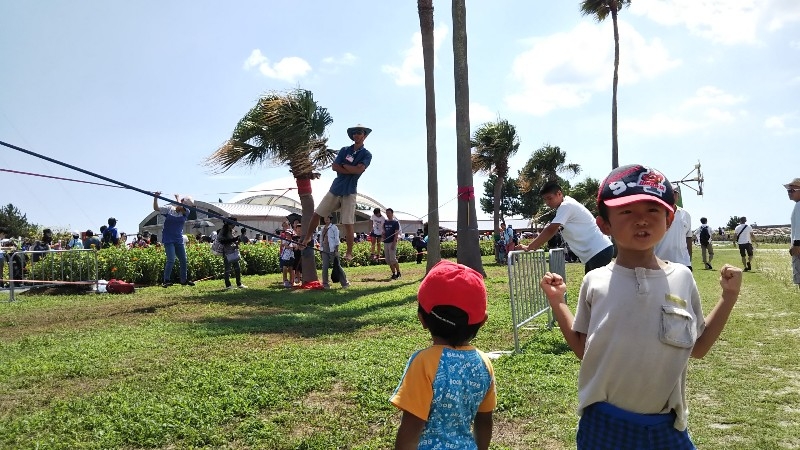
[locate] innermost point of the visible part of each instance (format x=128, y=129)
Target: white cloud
x=563, y=70
x=722, y=21
x=347, y=59
x=708, y=107
x=287, y=69
x=711, y=96
x=478, y=114
x=410, y=71
x=784, y=124
x=775, y=122
x=333, y=64
x=659, y=124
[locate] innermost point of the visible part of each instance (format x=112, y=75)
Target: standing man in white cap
x=350, y=163
x=793, y=189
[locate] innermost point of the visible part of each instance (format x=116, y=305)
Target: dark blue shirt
x=390, y=230
x=345, y=184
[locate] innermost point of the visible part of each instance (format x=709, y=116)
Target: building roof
x=488, y=225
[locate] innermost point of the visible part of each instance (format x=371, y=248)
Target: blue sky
x=141, y=92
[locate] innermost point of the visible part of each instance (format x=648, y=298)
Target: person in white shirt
x=676, y=245
x=793, y=189
x=376, y=233
x=329, y=240
x=744, y=238
x=579, y=229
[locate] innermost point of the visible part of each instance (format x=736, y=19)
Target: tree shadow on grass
x=310, y=313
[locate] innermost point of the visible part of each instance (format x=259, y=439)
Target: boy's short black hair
x=743, y=219
x=551, y=187
x=449, y=323
x=703, y=220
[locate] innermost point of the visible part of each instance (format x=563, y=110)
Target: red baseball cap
x=636, y=183
x=451, y=284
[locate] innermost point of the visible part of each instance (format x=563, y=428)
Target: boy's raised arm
x=554, y=288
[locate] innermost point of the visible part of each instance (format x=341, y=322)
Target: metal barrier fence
x=525, y=271
x=29, y=268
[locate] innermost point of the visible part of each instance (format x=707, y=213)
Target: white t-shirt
x=580, y=229
x=377, y=224
x=672, y=246
x=744, y=236
x=796, y=222
x=641, y=325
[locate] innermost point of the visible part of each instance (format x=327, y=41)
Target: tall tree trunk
x=469, y=252
x=308, y=260
x=498, y=196
x=614, y=143
x=425, y=10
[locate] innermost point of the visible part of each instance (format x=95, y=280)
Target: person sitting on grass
x=638, y=321
x=447, y=392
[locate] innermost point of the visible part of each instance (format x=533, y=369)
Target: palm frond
x=282, y=128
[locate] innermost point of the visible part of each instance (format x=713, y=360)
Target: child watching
x=638, y=321
x=448, y=387
x=286, y=260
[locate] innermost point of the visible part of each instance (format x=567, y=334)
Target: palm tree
x=283, y=128
x=600, y=9
x=544, y=165
x=469, y=252
x=493, y=143
x=425, y=10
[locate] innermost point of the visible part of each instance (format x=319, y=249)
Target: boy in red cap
x=638, y=321
x=448, y=387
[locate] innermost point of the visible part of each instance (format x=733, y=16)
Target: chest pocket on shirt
x=677, y=327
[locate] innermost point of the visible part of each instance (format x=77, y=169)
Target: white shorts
x=346, y=205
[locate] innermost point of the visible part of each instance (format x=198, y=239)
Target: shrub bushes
x=146, y=265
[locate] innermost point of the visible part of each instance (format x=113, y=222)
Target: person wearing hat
x=793, y=189
x=637, y=322
x=172, y=236
x=349, y=164
x=75, y=243
x=447, y=392
x=110, y=234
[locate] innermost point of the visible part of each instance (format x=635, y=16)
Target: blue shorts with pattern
x=603, y=426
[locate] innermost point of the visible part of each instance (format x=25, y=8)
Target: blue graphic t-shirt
x=446, y=387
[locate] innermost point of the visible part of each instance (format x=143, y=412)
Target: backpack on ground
x=115, y=286
x=705, y=235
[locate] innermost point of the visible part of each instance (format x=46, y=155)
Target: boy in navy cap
x=448, y=387
x=638, y=321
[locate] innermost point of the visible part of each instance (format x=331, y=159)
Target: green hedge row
x=146, y=265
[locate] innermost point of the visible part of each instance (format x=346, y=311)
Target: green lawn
x=275, y=369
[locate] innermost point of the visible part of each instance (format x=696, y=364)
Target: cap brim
x=791, y=186
x=628, y=199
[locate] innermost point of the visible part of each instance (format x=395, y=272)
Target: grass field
x=267, y=368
